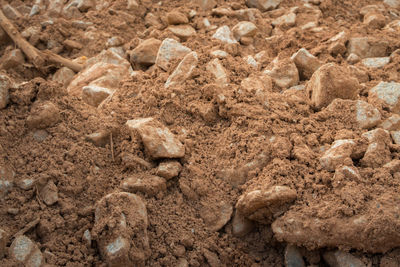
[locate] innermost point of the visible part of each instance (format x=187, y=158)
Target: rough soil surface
x=202, y=133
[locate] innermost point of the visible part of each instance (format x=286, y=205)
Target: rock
x=49, y=193
x=182, y=263
x=152, y=20
x=120, y=229
x=396, y=137
x=338, y=154
x=3, y=243
x=392, y=166
x=389, y=93
x=284, y=73
x=25, y=252
x=71, y=44
x=114, y=41
x=87, y=238
x=212, y=258
x=85, y=5
x=55, y=7
x=375, y=62
x=306, y=63
x=158, y=140
x=11, y=12
x=287, y=20
x=43, y=115
x=182, y=31
x=147, y=184
x=392, y=123
x=293, y=257
x=169, y=169
x=64, y=76
x=251, y=61
x=225, y=35
x=94, y=95
x=345, y=173
x=206, y=4
x=264, y=5
x=392, y=3
x=169, y=51
x=219, y=54
x=12, y=59
x=265, y=205
x=7, y=176
x=367, y=116
x=342, y=259
x=183, y=71
x=367, y=47
x=360, y=74
x=241, y=226
x=100, y=138
x=338, y=43
x=176, y=17
x=5, y=84
x=215, y=68
x=146, y=52
x=377, y=155
x=331, y=81
x=353, y=58
x=378, y=135
x=215, y=216
x=244, y=29
x=374, y=20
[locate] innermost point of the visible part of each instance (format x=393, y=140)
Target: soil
x=217, y=136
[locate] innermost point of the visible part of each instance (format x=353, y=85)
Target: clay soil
x=216, y=137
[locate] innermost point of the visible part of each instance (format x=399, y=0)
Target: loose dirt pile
x=201, y=133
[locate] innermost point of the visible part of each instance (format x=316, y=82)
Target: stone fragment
x=3, y=243
x=392, y=123
x=338, y=154
x=219, y=54
x=331, y=81
x=12, y=59
x=392, y=3
x=26, y=252
x=5, y=84
x=206, y=4
x=120, y=229
x=337, y=43
x=11, y=12
x=293, y=257
x=225, y=35
x=377, y=135
x=147, y=184
x=375, y=62
x=367, y=47
x=284, y=73
x=55, y=7
x=251, y=61
x=169, y=169
x=182, y=31
x=306, y=63
x=176, y=17
x=392, y=166
x=264, y=205
x=64, y=76
x=94, y=95
x=49, y=193
x=114, y=41
x=7, y=176
x=372, y=8
x=215, y=216
x=87, y=238
x=389, y=93
x=287, y=20
x=353, y=58
x=377, y=155
x=244, y=29
x=43, y=115
x=100, y=138
x=146, y=52
x=395, y=136
x=169, y=51
x=241, y=226
x=152, y=20
x=158, y=140
x=360, y=74
x=340, y=258
x=367, y=116
x=264, y=5
x=215, y=68
x=344, y=174
x=374, y=20
x=212, y=258
x=71, y=44
x=85, y=5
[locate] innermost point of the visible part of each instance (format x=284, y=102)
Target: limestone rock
x=43, y=115
x=264, y=5
x=284, y=73
x=367, y=47
x=306, y=63
x=265, y=205
x=94, y=95
x=120, y=229
x=176, y=17
x=183, y=71
x=225, y=35
x=158, y=140
x=367, y=116
x=389, y=93
x=150, y=185
x=338, y=154
x=375, y=62
x=169, y=169
x=64, y=76
x=146, y=52
x=342, y=259
x=337, y=43
x=215, y=68
x=392, y=123
x=329, y=82
x=5, y=84
x=244, y=29
x=182, y=31
x=26, y=252
x=287, y=20
x=378, y=152
x=395, y=136
x=217, y=215
x=170, y=50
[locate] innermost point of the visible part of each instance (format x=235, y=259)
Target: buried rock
x=265, y=205
x=216, y=216
x=376, y=230
x=120, y=229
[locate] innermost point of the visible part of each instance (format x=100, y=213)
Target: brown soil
x=217, y=136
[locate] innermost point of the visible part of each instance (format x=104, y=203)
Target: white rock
x=283, y=72
x=251, y=62
x=169, y=169
x=64, y=76
x=377, y=135
x=158, y=140
x=353, y=58
x=288, y=20
x=183, y=71
x=169, y=51
x=5, y=84
x=25, y=252
x=388, y=92
x=392, y=123
x=241, y=226
x=337, y=154
x=367, y=116
x=375, y=62
x=341, y=259
x=219, y=54
x=264, y=5
x=206, y=4
x=366, y=47
x=244, y=29
x=225, y=35
x=392, y=3
x=396, y=137
x=94, y=95
x=306, y=63
x=215, y=68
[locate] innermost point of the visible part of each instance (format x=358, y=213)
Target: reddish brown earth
x=219, y=136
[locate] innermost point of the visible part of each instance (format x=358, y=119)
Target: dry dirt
x=218, y=136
